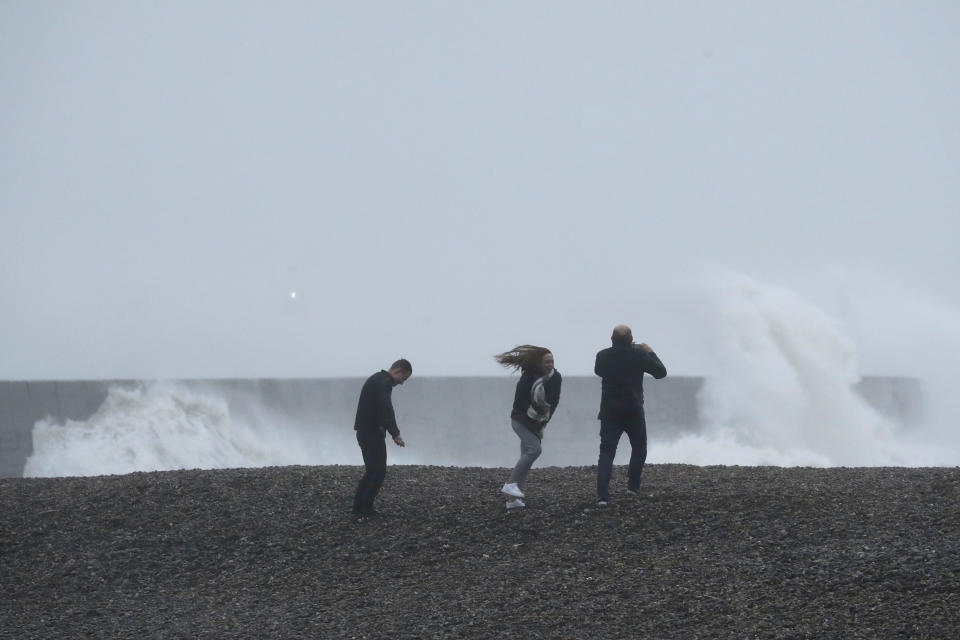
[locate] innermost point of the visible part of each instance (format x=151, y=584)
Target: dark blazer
x=621, y=368
x=375, y=407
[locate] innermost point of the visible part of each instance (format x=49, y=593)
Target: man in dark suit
x=375, y=418
x=621, y=368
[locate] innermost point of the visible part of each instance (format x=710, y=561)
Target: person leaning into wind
x=621, y=368
x=375, y=418
x=534, y=403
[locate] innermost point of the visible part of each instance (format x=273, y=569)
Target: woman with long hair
x=534, y=403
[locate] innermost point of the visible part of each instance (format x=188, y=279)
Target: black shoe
x=633, y=491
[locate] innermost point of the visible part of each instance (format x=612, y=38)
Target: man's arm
x=650, y=363
x=598, y=365
x=388, y=418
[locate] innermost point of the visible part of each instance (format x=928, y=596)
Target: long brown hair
x=523, y=357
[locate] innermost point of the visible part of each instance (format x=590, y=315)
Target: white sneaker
x=515, y=504
x=511, y=489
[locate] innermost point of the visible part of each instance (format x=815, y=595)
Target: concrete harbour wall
x=452, y=414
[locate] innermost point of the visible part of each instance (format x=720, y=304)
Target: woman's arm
x=553, y=390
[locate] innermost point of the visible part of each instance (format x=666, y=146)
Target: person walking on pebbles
x=375, y=417
x=621, y=368
x=534, y=403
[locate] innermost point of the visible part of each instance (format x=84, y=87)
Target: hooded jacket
x=536, y=398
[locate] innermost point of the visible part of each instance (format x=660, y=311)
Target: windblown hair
x=523, y=357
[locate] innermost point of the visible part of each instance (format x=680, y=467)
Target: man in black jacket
x=621, y=368
x=375, y=417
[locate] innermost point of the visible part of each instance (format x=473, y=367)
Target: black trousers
x=374, y=450
x=610, y=433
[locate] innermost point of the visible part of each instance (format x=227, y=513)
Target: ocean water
x=155, y=427
x=781, y=391
x=778, y=390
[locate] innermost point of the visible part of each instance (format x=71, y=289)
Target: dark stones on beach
x=701, y=552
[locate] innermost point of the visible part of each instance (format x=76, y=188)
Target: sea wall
x=455, y=415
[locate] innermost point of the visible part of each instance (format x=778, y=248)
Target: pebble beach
x=701, y=552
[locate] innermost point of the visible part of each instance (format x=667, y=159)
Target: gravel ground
x=703, y=552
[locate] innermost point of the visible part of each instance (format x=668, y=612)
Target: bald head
x=622, y=335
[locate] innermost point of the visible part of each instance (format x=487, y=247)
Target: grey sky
x=444, y=180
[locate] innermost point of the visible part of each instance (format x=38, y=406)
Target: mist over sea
x=781, y=391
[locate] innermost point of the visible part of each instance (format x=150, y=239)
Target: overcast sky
x=443, y=180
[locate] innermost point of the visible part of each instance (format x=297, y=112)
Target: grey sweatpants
x=529, y=451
